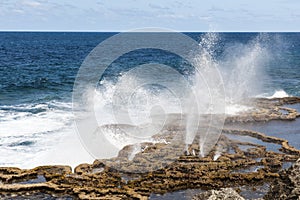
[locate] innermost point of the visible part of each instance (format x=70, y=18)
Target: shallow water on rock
x=294, y=106
x=289, y=130
x=249, y=169
x=245, y=147
x=37, y=195
x=177, y=195
x=250, y=192
x=286, y=165
x=284, y=112
x=269, y=146
x=38, y=179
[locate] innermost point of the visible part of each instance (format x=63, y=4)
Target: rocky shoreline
x=240, y=164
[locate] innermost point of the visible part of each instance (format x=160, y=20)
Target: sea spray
x=133, y=109
x=136, y=148
x=208, y=93
x=242, y=69
x=130, y=101
x=279, y=94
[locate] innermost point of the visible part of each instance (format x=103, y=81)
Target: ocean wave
x=235, y=109
x=279, y=94
x=37, y=134
x=274, y=94
x=28, y=119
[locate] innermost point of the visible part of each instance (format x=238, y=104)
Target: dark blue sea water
x=38, y=70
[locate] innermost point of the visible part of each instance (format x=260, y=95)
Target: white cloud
x=19, y=11
x=30, y=3
x=216, y=9
x=156, y=6
x=127, y=14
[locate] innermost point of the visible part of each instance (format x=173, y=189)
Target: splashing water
x=279, y=94
x=241, y=67
x=209, y=94
x=219, y=84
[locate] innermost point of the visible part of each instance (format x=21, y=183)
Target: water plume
x=209, y=94
x=241, y=67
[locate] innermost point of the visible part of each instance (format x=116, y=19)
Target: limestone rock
x=287, y=186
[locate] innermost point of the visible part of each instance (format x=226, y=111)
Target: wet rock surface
x=222, y=194
x=231, y=164
x=287, y=186
x=267, y=109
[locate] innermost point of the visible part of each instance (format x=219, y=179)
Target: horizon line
x=181, y=31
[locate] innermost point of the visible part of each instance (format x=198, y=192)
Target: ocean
x=38, y=70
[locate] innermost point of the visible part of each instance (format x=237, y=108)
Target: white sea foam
x=235, y=109
x=20, y=121
x=274, y=94
x=68, y=150
x=279, y=94
x=216, y=156
x=39, y=134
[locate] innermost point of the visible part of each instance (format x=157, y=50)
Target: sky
x=124, y=15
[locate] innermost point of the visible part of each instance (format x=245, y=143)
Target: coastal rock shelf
x=267, y=109
x=287, y=186
x=232, y=164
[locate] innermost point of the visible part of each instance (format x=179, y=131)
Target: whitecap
x=279, y=94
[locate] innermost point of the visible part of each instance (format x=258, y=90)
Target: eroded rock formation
x=238, y=163
x=287, y=186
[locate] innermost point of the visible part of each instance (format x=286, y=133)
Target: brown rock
x=287, y=186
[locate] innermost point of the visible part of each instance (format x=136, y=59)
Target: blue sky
x=122, y=15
